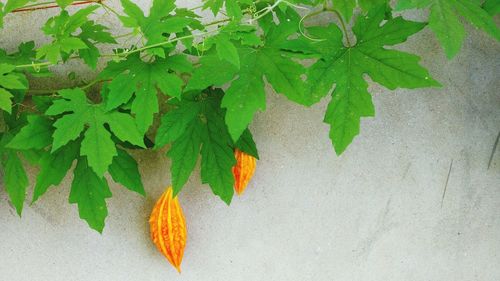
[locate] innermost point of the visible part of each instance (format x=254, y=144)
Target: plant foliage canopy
x=194, y=85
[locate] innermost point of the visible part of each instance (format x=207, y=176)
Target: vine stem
x=342, y=23
x=92, y=83
x=125, y=54
x=262, y=13
x=325, y=9
x=301, y=29
x=217, y=22
x=38, y=6
x=35, y=65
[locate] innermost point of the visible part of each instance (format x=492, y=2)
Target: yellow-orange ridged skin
x=243, y=170
x=168, y=228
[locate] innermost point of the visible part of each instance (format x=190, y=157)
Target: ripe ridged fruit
x=168, y=228
x=243, y=170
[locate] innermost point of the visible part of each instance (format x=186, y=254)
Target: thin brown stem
x=217, y=22
x=35, y=8
x=39, y=4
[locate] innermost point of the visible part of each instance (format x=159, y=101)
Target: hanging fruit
x=168, y=228
x=243, y=170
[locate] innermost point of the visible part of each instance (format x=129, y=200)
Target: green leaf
x=9, y=80
x=72, y=43
x=447, y=26
x=122, y=88
x=184, y=154
x=75, y=21
x=53, y=168
x=246, y=94
x=123, y=127
x=247, y=144
x=70, y=126
x=134, y=76
x=212, y=72
x=227, y=51
x=37, y=134
x=51, y=52
x=2, y=14
x=204, y=132
x=90, y=191
x=64, y=3
x=345, y=7
x=96, y=33
x=444, y=20
x=214, y=5
x=217, y=155
x=42, y=103
x=345, y=67
x=124, y=170
x=492, y=7
x=65, y=42
x=90, y=55
x=233, y=7
x=5, y=100
x=91, y=35
x=11, y=5
x=97, y=144
x=25, y=54
x=179, y=63
x=367, y=5
x=15, y=179
x=32, y=156
x=410, y=4
x=175, y=123
x=98, y=147
x=135, y=15
x=158, y=25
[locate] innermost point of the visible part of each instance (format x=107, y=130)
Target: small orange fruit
x=243, y=170
x=168, y=228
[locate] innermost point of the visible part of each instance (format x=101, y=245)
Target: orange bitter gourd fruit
x=168, y=228
x=243, y=170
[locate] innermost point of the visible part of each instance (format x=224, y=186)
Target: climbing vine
x=203, y=78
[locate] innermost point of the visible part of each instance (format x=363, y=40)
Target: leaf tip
x=227, y=199
x=340, y=148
